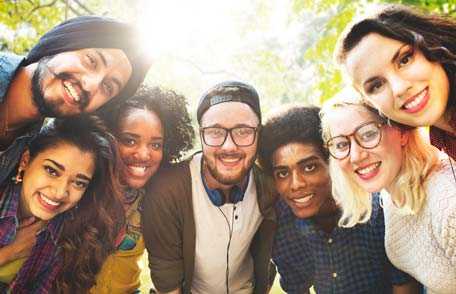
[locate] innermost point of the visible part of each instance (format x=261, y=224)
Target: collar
x=9, y=64
x=9, y=205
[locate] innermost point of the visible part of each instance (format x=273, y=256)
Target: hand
x=24, y=241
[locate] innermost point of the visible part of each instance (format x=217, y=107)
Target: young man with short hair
x=208, y=223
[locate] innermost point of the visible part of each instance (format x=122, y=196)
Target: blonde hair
x=408, y=192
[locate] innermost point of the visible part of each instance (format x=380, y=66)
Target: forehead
x=71, y=157
x=359, y=62
x=344, y=120
x=229, y=114
x=141, y=122
x=292, y=153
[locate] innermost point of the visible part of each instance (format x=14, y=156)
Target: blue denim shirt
x=9, y=158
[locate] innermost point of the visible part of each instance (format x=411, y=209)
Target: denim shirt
x=9, y=158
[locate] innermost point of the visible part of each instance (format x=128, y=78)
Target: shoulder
x=170, y=183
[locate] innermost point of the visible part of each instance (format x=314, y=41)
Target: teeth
x=72, y=91
x=368, y=169
x=229, y=159
x=415, y=101
x=137, y=170
x=304, y=199
x=49, y=201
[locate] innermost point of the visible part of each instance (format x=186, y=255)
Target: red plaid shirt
x=443, y=140
x=39, y=271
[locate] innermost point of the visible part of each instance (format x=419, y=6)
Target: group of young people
x=348, y=198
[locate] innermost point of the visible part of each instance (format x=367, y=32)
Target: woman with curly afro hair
x=153, y=129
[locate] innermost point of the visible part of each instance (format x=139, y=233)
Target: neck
x=19, y=102
x=328, y=215
x=212, y=183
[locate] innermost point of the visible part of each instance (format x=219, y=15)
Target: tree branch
x=40, y=7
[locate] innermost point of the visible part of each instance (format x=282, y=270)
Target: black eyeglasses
x=367, y=135
x=216, y=136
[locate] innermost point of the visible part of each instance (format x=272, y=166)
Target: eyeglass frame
x=379, y=125
x=229, y=131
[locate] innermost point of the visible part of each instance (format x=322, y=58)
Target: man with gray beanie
x=76, y=67
x=208, y=222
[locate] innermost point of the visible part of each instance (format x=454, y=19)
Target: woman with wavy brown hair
x=60, y=213
x=403, y=62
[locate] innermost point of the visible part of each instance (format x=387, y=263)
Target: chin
x=136, y=184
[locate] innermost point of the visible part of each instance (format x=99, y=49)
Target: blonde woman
x=418, y=187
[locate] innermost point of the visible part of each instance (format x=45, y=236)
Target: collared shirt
x=443, y=140
x=9, y=158
x=39, y=270
x=347, y=260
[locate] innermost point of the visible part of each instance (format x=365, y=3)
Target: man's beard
x=51, y=108
x=227, y=180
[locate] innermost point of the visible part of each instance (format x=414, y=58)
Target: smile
x=71, y=91
x=368, y=171
x=138, y=170
x=230, y=160
x=417, y=102
x=303, y=201
x=47, y=203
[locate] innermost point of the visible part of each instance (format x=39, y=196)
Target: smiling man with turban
x=78, y=66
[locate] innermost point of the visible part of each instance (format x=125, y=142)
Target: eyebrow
x=235, y=126
x=102, y=57
x=304, y=160
x=394, y=58
x=62, y=168
x=138, y=136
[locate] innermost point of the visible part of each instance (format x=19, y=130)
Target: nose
x=91, y=82
x=357, y=153
x=399, y=85
x=229, y=143
x=297, y=181
x=61, y=189
x=143, y=152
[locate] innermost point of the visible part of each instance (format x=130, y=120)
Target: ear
x=404, y=137
x=25, y=160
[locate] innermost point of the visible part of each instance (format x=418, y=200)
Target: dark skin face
x=302, y=179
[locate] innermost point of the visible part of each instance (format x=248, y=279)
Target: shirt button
x=334, y=275
x=330, y=240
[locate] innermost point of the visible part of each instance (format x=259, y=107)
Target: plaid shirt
x=348, y=260
x=39, y=271
x=9, y=158
x=443, y=140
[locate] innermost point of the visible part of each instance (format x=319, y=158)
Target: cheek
x=281, y=186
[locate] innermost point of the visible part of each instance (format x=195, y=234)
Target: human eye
x=108, y=88
x=91, y=60
x=374, y=86
x=80, y=184
x=341, y=144
x=281, y=174
x=127, y=141
x=157, y=145
x=215, y=132
x=406, y=58
x=309, y=167
x=368, y=135
x=51, y=171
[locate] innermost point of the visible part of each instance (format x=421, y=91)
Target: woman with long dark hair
x=403, y=62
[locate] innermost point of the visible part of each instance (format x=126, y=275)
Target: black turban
x=95, y=32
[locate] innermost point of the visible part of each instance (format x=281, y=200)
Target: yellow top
x=120, y=272
x=8, y=271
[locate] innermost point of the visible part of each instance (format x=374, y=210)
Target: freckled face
x=302, y=178
x=399, y=81
x=141, y=141
x=373, y=169
x=55, y=180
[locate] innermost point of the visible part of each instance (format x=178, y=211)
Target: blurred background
x=282, y=47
